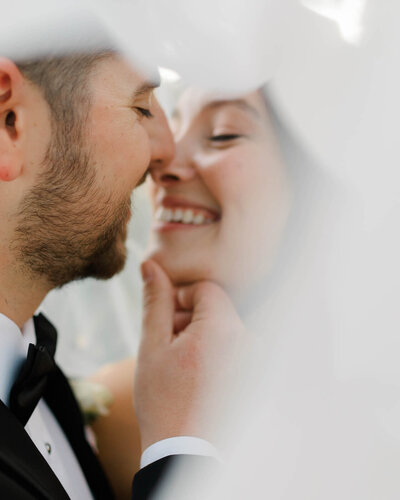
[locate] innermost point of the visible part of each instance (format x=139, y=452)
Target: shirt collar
x=13, y=350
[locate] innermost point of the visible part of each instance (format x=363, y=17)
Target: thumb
x=158, y=304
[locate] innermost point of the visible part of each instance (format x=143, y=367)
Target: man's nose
x=161, y=140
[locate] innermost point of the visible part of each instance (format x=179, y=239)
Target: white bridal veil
x=318, y=408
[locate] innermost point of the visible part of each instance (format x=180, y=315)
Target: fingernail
x=147, y=271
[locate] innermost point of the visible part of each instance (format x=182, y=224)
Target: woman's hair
x=310, y=188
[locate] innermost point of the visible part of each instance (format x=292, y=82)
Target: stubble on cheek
x=69, y=228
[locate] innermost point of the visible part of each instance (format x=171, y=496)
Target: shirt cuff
x=179, y=445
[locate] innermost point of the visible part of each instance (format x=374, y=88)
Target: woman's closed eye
x=224, y=137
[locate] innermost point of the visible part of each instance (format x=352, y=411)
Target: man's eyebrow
x=144, y=89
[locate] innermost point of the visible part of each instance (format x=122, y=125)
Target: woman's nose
x=179, y=169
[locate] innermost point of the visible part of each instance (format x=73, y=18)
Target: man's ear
x=11, y=120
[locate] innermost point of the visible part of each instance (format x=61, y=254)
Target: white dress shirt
x=46, y=433
x=179, y=445
x=42, y=427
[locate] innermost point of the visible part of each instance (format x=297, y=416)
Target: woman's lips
x=174, y=214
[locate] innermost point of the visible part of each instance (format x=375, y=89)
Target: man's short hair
x=63, y=82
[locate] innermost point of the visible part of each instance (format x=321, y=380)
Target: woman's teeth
x=184, y=216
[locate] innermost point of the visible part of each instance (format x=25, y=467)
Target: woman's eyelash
x=145, y=112
x=224, y=137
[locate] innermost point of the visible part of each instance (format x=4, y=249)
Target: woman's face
x=221, y=205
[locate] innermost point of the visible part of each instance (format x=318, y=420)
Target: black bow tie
x=30, y=384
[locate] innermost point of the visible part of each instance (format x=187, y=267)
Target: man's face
x=72, y=222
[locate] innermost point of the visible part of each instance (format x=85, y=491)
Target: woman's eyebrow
x=239, y=103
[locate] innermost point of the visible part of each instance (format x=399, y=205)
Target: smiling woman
x=221, y=205
x=228, y=208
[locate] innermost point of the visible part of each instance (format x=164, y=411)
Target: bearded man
x=77, y=134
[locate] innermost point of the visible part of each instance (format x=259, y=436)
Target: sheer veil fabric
x=321, y=418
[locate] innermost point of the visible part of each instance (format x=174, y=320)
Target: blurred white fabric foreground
x=323, y=417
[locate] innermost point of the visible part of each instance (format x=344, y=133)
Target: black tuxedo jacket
x=25, y=474
x=148, y=479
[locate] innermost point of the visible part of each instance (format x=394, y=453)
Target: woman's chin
x=182, y=269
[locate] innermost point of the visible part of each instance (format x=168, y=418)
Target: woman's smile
x=174, y=213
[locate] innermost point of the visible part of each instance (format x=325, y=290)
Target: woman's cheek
x=224, y=179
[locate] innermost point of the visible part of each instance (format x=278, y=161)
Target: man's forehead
x=117, y=74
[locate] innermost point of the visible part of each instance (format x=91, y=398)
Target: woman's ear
x=11, y=120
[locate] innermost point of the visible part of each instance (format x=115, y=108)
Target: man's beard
x=68, y=228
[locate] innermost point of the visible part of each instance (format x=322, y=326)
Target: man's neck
x=19, y=297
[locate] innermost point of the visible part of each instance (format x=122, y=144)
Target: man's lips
x=180, y=212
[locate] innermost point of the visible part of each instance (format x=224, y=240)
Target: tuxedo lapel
x=22, y=461
x=62, y=402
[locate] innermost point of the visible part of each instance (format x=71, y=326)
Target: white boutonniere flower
x=94, y=399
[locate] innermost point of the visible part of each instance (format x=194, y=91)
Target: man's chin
x=106, y=265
